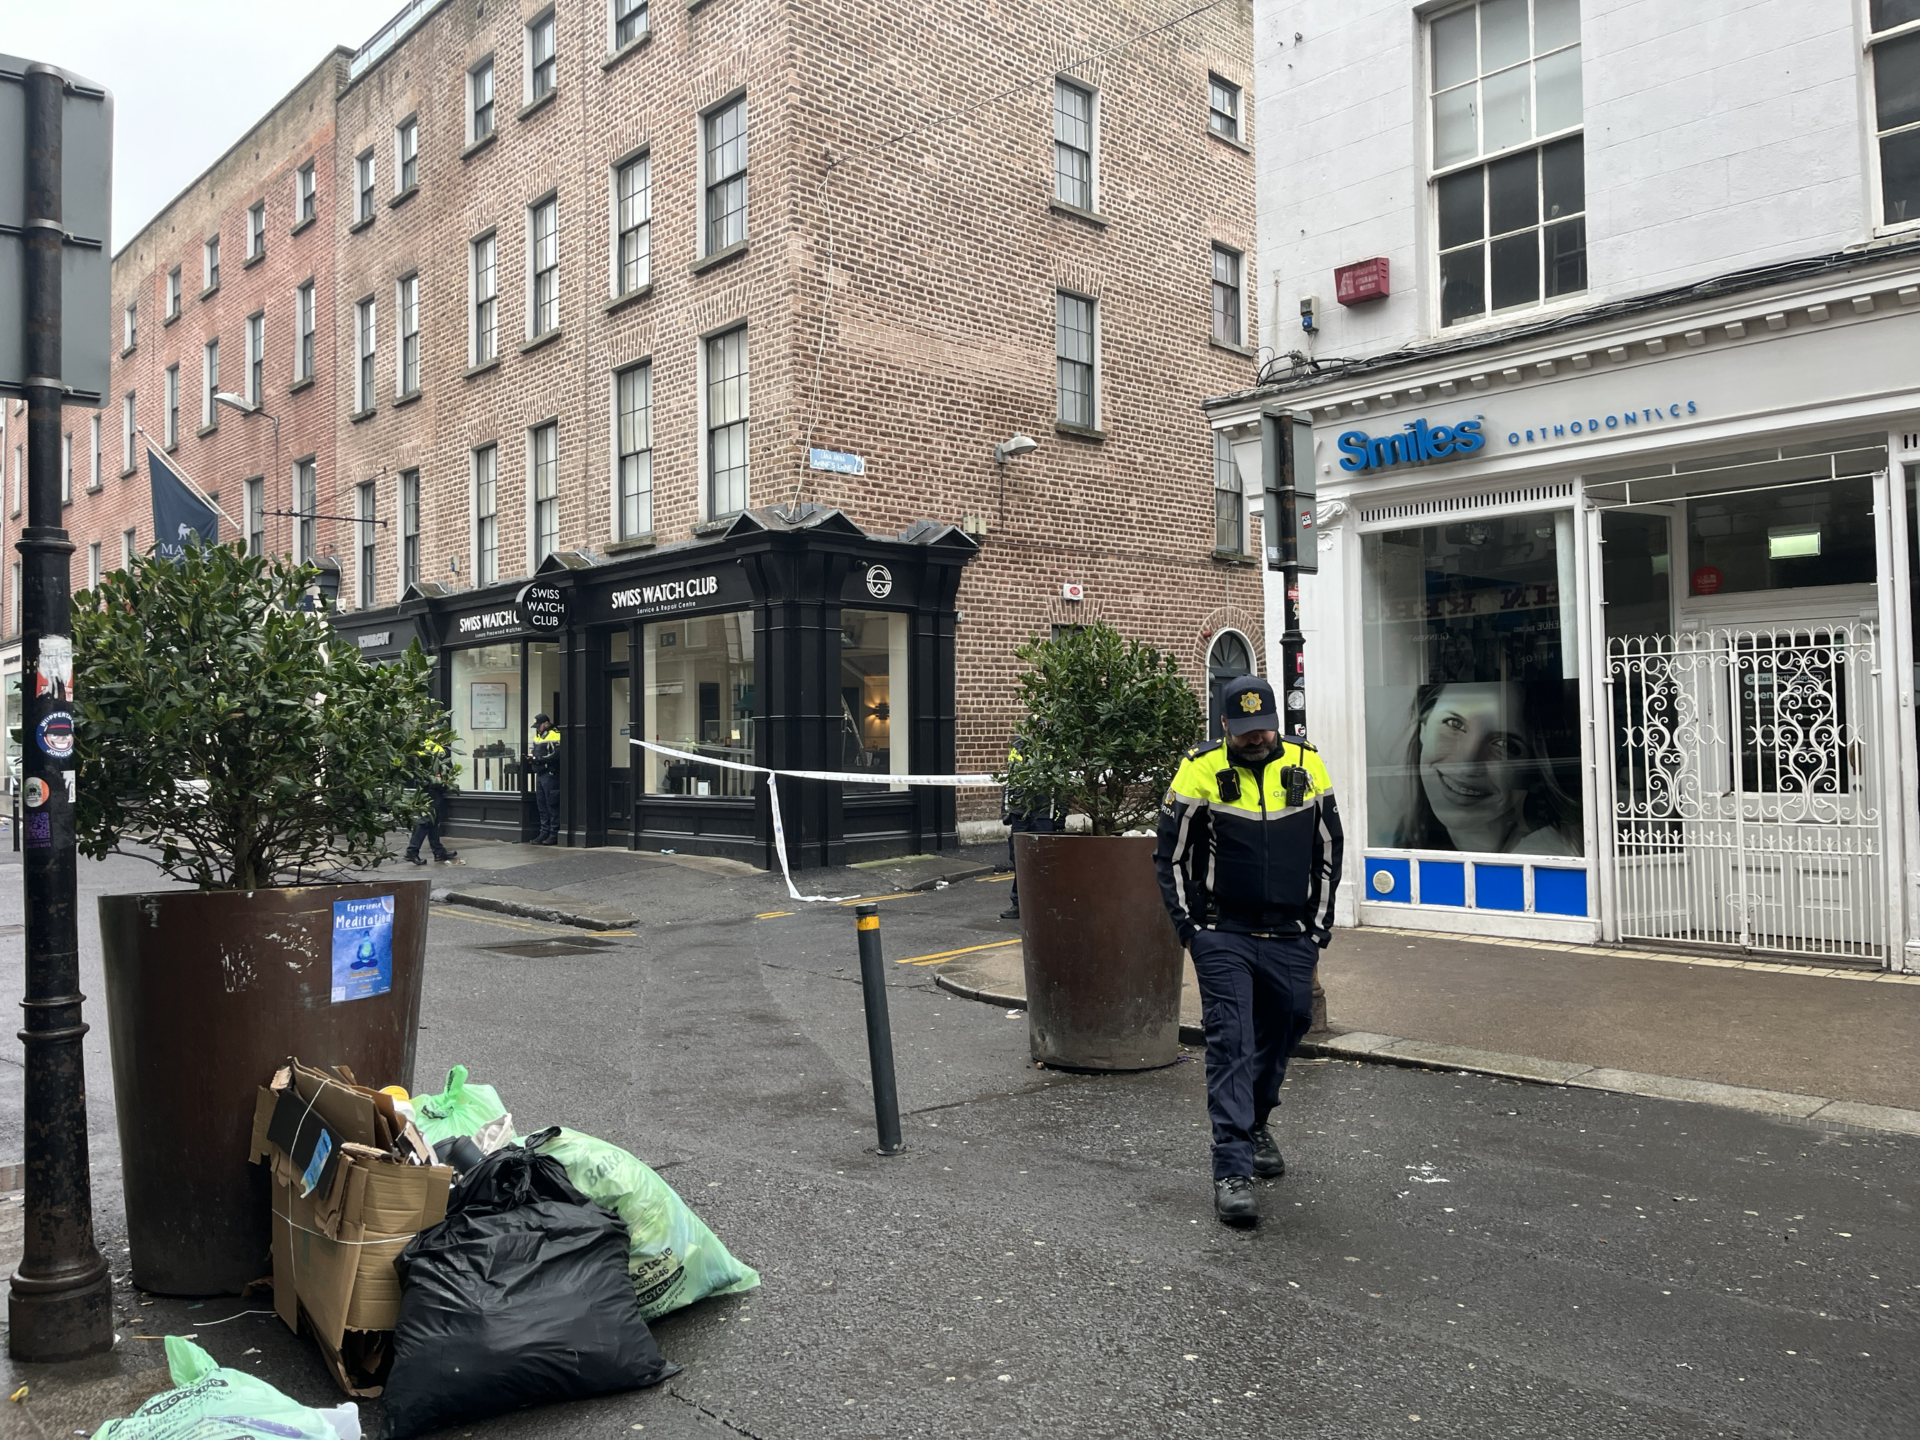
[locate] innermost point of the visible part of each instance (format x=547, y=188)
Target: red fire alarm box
x=1364, y=280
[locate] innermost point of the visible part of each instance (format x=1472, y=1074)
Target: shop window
x=873, y=693
x=700, y=701
x=1785, y=538
x=1472, y=691
x=488, y=718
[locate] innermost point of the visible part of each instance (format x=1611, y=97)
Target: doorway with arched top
x=1229, y=656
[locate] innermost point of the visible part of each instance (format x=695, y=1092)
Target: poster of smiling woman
x=1472, y=694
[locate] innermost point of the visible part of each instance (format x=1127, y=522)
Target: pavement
x=1450, y=1254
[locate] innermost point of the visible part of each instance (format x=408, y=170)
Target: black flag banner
x=179, y=513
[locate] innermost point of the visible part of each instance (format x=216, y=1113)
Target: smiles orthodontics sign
x=1418, y=443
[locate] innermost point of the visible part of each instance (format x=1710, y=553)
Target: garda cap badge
x=1250, y=702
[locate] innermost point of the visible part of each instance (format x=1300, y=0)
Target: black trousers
x=1256, y=1000
x=428, y=830
x=1037, y=822
x=546, y=799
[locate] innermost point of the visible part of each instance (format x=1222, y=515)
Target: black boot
x=1012, y=912
x=446, y=855
x=1268, y=1163
x=413, y=857
x=1234, y=1201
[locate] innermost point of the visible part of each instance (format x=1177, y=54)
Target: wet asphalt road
x=1449, y=1255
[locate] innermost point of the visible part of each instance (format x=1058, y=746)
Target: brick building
x=707, y=310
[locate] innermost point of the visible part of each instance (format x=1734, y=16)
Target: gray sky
x=188, y=76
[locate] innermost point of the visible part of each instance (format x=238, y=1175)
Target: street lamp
x=1018, y=445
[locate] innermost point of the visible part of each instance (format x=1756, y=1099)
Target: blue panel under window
x=1390, y=880
x=1559, y=892
x=1499, y=887
x=1443, y=882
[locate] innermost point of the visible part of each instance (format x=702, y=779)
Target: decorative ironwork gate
x=1746, y=804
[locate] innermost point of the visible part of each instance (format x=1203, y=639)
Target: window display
x=873, y=692
x=487, y=718
x=1472, y=689
x=700, y=699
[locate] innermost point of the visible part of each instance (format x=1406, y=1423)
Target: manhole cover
x=540, y=949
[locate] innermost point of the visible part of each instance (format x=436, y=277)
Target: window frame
x=616, y=20
x=1092, y=152
x=484, y=531
x=130, y=328
x=531, y=87
x=476, y=356
x=366, y=353
x=366, y=507
x=1223, y=454
x=709, y=186
x=257, y=230
x=406, y=155
x=253, y=513
x=1092, y=302
x=210, y=263
x=305, y=323
x=407, y=552
x=643, y=227
x=306, y=508
x=66, y=468
x=406, y=357
x=256, y=359
x=129, y=432
x=94, y=461
x=536, y=309
x=1876, y=175
x=1237, y=116
x=366, y=177
x=210, y=383
x=475, y=105
x=642, y=454
x=93, y=565
x=1238, y=287
x=536, y=501
x=1484, y=159
x=709, y=476
x=170, y=392
x=306, y=195
x=129, y=545
x=173, y=293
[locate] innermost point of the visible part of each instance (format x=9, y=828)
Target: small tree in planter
x=223, y=730
x=1109, y=721
x=225, y=733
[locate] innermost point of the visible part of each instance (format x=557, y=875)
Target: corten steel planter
x=207, y=994
x=1102, y=959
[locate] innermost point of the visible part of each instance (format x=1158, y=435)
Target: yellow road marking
x=774, y=914
x=869, y=899
x=949, y=954
x=989, y=879
x=525, y=927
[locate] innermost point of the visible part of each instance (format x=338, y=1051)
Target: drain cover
x=540, y=949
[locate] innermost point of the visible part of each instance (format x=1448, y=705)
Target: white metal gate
x=1746, y=804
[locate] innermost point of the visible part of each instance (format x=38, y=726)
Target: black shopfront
x=800, y=644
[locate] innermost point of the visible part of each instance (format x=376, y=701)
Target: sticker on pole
x=36, y=792
x=362, y=948
x=55, y=734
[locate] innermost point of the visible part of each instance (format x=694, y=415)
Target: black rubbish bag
x=519, y=1297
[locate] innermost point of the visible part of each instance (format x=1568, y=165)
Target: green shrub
x=1108, y=722
x=226, y=733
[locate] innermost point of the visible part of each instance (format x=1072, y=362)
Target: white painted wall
x=1720, y=135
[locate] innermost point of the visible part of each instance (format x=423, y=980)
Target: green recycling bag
x=460, y=1109
x=672, y=1257
x=210, y=1400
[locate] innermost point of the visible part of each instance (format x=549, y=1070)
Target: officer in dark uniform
x=1249, y=856
x=1021, y=812
x=543, y=758
x=437, y=781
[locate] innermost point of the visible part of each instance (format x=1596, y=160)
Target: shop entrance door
x=1747, y=807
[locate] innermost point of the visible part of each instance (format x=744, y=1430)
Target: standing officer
x=1249, y=855
x=1036, y=814
x=543, y=758
x=433, y=758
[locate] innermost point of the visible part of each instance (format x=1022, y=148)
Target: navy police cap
x=1247, y=703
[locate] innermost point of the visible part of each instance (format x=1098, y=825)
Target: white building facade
x=1613, y=631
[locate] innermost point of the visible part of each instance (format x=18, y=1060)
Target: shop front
x=1612, y=635
x=799, y=644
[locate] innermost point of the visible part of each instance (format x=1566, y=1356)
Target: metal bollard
x=873, y=989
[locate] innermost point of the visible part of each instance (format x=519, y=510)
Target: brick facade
x=898, y=286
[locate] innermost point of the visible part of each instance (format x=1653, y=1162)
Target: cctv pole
x=60, y=1306
x=1286, y=462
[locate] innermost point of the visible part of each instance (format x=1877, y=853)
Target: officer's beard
x=1251, y=753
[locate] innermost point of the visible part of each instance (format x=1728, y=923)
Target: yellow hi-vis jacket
x=1235, y=856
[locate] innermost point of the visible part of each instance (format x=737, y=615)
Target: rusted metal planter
x=1102, y=959
x=207, y=993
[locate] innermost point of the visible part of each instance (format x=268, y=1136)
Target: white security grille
x=1454, y=504
x=1746, y=809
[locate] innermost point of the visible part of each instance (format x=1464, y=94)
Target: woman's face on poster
x=1475, y=760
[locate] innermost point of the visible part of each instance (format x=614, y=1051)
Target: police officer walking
x=433, y=756
x=1249, y=857
x=543, y=758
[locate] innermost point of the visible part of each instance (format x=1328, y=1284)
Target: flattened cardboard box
x=333, y=1253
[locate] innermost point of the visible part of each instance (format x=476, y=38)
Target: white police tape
x=844, y=777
